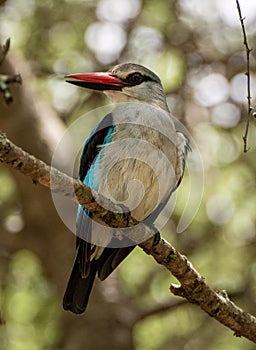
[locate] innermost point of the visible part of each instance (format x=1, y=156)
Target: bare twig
x=192, y=285
x=5, y=79
x=171, y=305
x=247, y=73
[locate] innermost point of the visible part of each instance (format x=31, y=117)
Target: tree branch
x=192, y=285
x=61, y=183
x=248, y=75
x=168, y=306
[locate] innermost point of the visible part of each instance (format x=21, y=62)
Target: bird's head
x=123, y=83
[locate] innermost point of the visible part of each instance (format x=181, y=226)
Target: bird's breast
x=137, y=168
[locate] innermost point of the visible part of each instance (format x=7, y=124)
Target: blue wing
x=84, y=268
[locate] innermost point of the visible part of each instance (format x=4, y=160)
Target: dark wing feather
x=91, y=150
x=112, y=257
x=84, y=269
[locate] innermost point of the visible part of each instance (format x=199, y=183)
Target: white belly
x=138, y=168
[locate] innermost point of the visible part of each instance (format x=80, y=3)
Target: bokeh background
x=196, y=47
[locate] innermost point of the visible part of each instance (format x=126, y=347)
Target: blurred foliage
x=196, y=48
x=28, y=305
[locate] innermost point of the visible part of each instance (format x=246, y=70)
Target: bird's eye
x=135, y=78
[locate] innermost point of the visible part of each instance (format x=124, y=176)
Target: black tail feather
x=110, y=259
x=78, y=289
x=84, y=271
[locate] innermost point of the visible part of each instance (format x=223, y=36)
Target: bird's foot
x=157, y=238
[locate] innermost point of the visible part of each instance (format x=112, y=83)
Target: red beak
x=97, y=81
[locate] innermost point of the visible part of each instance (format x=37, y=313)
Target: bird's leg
x=157, y=236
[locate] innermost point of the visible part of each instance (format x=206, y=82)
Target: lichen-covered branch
x=192, y=285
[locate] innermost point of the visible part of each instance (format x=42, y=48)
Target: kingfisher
x=135, y=157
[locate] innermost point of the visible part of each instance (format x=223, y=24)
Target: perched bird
x=134, y=156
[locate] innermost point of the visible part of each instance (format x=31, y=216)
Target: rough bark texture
x=60, y=183
x=36, y=128
x=194, y=288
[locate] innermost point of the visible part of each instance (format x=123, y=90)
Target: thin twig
x=6, y=79
x=168, y=306
x=247, y=73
